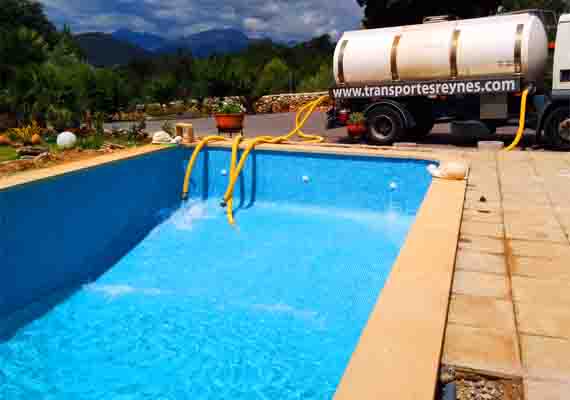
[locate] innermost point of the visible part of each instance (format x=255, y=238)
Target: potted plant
x=229, y=116
x=356, y=125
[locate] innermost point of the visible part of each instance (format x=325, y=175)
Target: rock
x=113, y=146
x=66, y=140
x=36, y=139
x=32, y=151
x=161, y=137
x=42, y=157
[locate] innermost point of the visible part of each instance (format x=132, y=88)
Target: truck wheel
x=557, y=137
x=385, y=125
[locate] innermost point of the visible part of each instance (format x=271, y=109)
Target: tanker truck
x=473, y=73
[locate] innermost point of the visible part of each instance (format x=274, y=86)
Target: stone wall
x=288, y=102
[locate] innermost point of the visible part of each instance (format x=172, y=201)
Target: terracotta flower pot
x=4, y=141
x=356, y=130
x=36, y=139
x=229, y=121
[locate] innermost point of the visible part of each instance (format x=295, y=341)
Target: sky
x=277, y=19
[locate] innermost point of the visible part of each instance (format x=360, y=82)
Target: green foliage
x=28, y=13
x=356, y=118
x=162, y=89
x=274, y=78
x=228, y=107
x=24, y=134
x=320, y=81
x=406, y=12
x=7, y=153
x=91, y=142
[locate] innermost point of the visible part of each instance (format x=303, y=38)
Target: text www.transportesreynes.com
x=428, y=89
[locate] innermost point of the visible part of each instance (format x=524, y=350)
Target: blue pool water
x=270, y=309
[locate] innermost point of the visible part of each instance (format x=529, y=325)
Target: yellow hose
x=301, y=118
x=192, y=161
x=235, y=149
x=299, y=123
x=522, y=121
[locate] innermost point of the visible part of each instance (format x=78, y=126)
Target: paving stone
x=491, y=217
x=546, y=390
x=480, y=284
x=546, y=358
x=481, y=229
x=540, y=249
x=536, y=318
x=547, y=292
x=481, y=244
x=526, y=231
x=483, y=349
x=482, y=312
x=555, y=269
x=481, y=262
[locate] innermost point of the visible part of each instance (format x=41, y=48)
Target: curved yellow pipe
x=192, y=161
x=235, y=149
x=301, y=118
x=522, y=121
x=310, y=108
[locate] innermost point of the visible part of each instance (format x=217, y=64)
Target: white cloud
x=278, y=19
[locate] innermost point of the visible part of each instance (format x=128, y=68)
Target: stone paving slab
x=556, y=269
x=490, y=217
x=482, y=229
x=482, y=312
x=480, y=284
x=481, y=349
x=546, y=292
x=546, y=390
x=546, y=358
x=480, y=262
x=539, y=319
x=481, y=244
x=540, y=249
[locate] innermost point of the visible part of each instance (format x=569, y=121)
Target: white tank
x=498, y=46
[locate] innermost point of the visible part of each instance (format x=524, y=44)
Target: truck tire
x=385, y=125
x=556, y=137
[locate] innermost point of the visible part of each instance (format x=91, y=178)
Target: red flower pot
x=229, y=121
x=342, y=117
x=356, y=130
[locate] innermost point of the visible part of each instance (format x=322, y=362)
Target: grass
x=7, y=153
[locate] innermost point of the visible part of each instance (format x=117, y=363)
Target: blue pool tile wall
x=59, y=232
x=67, y=230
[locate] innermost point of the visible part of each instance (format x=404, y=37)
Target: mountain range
x=122, y=46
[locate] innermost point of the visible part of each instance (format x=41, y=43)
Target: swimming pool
x=134, y=295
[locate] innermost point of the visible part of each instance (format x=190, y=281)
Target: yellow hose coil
x=301, y=118
x=522, y=121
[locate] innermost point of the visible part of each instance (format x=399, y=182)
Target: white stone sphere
x=66, y=140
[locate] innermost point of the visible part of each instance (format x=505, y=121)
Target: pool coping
x=399, y=351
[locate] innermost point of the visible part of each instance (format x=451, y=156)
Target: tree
x=322, y=80
x=28, y=13
x=383, y=13
x=274, y=78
